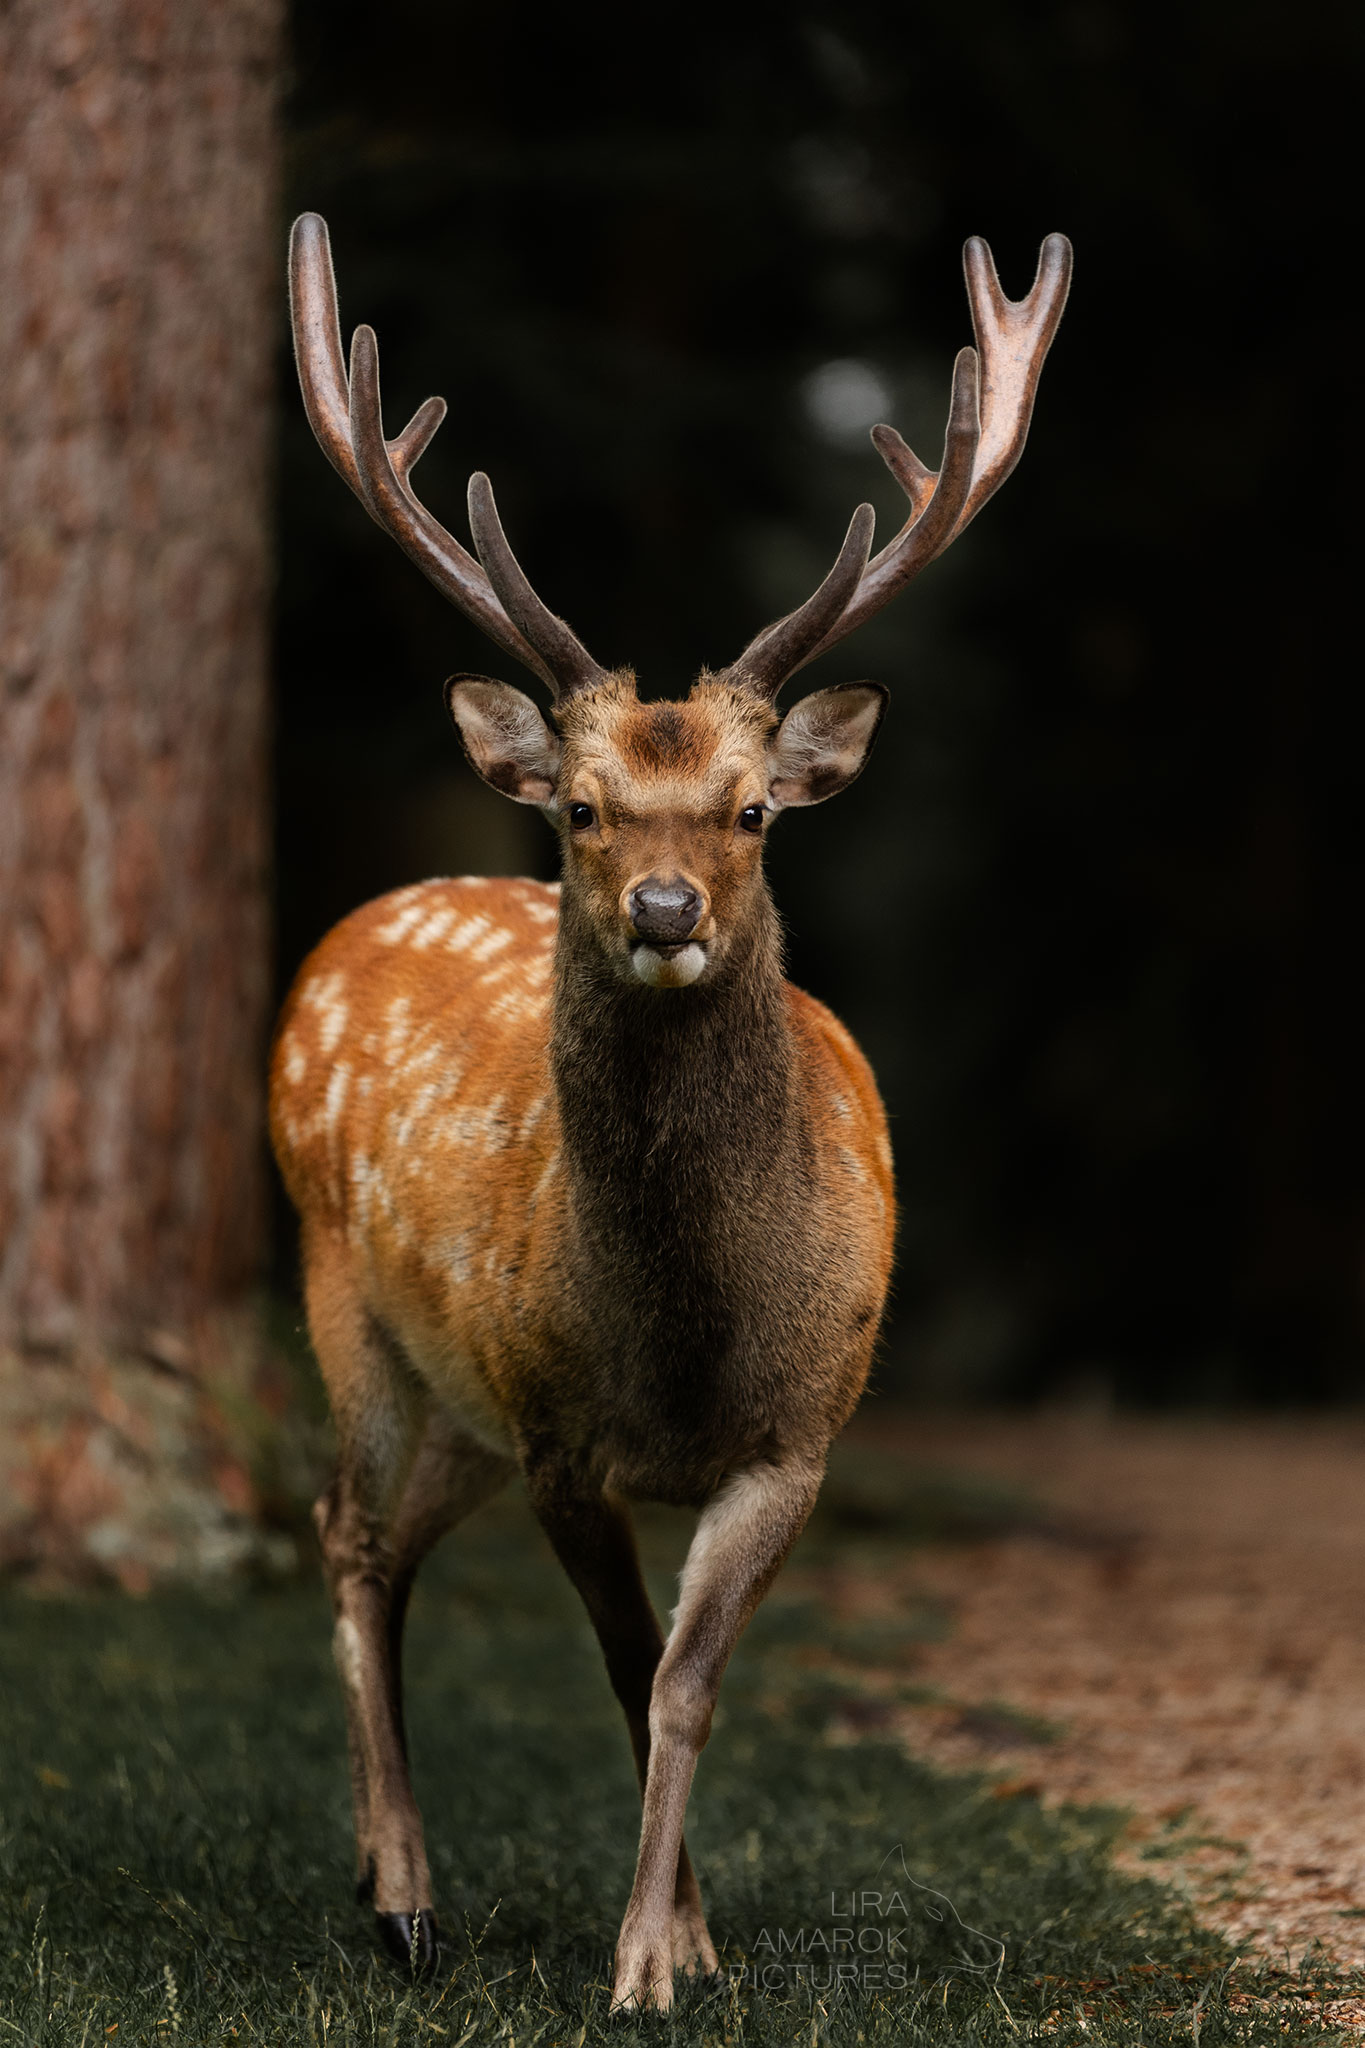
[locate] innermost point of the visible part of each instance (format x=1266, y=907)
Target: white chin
x=671, y=969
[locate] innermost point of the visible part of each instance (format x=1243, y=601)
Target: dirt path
x=1188, y=1612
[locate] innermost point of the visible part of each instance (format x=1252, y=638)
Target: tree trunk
x=141, y=270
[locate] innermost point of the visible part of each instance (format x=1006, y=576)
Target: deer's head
x=662, y=808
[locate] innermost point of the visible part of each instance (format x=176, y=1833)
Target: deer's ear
x=823, y=743
x=505, y=737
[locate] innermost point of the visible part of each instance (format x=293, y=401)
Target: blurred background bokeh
x=1091, y=911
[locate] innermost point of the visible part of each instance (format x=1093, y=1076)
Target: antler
x=988, y=422
x=347, y=420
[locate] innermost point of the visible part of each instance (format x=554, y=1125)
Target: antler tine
x=423, y=539
x=317, y=343
x=782, y=648
x=992, y=405
x=321, y=364
x=568, y=661
x=936, y=503
x=1014, y=337
x=348, y=424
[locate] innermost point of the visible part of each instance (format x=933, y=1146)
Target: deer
x=588, y=1192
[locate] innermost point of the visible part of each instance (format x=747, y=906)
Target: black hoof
x=412, y=1939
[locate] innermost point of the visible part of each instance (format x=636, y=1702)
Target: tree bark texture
x=141, y=269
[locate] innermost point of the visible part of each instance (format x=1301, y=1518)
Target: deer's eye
x=751, y=818
x=581, y=816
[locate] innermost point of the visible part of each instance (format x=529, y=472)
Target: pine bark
x=140, y=261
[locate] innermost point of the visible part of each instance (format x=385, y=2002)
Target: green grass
x=175, y=1855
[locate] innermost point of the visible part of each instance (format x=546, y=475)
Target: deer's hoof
x=412, y=1939
x=643, y=1982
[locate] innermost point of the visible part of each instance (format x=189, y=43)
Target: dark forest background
x=1093, y=909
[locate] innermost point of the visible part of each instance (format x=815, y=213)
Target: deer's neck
x=679, y=1123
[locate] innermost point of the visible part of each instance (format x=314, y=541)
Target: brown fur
x=627, y=1240
x=659, y=737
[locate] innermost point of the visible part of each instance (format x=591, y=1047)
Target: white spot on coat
x=337, y=1085
x=324, y=997
x=516, y=1004
x=546, y=1180
x=403, y=1122
x=535, y=1111
x=400, y=1011
x=362, y=1179
x=433, y=927
x=333, y=1025
x=397, y=928
x=505, y=971
x=468, y=933
x=478, y=1129
x=852, y=1164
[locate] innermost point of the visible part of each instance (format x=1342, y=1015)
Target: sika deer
x=588, y=1190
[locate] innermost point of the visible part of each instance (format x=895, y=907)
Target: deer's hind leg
x=405, y=1474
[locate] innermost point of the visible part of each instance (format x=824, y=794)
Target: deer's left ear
x=823, y=743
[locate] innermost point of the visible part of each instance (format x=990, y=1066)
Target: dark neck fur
x=681, y=1136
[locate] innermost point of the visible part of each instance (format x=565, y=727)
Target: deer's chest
x=662, y=1402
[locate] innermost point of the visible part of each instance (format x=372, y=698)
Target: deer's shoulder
x=848, y=1111
x=441, y=985
x=828, y=1046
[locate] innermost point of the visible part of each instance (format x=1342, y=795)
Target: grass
x=175, y=1849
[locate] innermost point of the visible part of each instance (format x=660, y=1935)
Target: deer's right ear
x=505, y=737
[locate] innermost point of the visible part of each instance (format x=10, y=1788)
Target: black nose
x=664, y=913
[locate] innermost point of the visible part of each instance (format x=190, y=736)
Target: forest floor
x=1169, y=1615
x=886, y=1787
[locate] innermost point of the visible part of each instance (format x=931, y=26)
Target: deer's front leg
x=742, y=1537
x=594, y=1541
